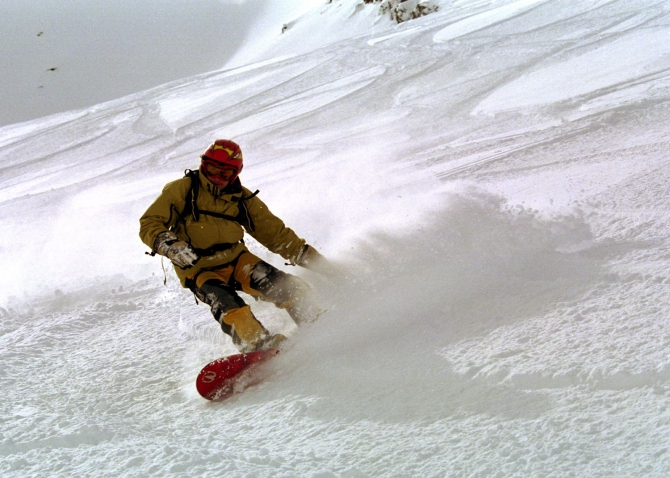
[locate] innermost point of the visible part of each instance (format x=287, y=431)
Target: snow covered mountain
x=491, y=180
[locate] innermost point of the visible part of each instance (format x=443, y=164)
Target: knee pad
x=220, y=297
x=263, y=275
x=269, y=281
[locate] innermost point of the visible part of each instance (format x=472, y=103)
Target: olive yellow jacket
x=209, y=231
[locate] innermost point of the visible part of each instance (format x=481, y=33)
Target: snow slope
x=490, y=181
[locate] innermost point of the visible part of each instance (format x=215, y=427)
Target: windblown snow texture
x=490, y=182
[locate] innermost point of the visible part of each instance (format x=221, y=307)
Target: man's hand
x=182, y=255
x=310, y=258
x=179, y=252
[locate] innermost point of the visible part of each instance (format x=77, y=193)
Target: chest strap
x=191, y=207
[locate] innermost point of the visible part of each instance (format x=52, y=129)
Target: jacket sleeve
x=164, y=211
x=271, y=231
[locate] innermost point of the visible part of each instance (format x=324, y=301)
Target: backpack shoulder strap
x=191, y=200
x=243, y=217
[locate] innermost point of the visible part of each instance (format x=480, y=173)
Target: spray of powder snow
x=473, y=266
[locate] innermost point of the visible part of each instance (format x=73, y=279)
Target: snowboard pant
x=248, y=273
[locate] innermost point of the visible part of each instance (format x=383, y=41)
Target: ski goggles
x=217, y=169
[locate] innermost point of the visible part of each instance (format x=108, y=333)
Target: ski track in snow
x=491, y=183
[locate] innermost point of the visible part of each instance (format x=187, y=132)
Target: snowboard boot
x=248, y=333
x=272, y=342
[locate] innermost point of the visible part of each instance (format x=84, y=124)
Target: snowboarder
x=199, y=221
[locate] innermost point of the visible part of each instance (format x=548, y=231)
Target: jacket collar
x=234, y=189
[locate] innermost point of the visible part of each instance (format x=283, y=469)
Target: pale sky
x=105, y=49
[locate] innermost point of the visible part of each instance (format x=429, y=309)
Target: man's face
x=220, y=176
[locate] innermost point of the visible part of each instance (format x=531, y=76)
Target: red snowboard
x=225, y=376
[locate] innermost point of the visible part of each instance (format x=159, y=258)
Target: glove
x=179, y=252
x=182, y=255
x=310, y=258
